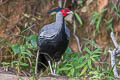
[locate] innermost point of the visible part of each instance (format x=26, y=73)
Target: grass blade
x=78, y=18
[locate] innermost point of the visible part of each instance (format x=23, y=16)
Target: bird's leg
x=50, y=67
x=36, y=65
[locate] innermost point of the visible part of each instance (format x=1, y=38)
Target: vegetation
x=23, y=54
x=90, y=64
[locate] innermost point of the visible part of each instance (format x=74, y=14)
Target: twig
x=60, y=3
x=36, y=65
x=114, y=40
x=73, y=1
x=64, y=3
x=3, y=2
x=112, y=53
x=29, y=60
x=24, y=73
x=1, y=15
x=29, y=28
x=78, y=42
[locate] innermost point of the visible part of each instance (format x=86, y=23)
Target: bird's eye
x=65, y=11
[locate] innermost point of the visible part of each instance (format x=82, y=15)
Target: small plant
x=116, y=9
x=90, y=58
x=109, y=73
x=96, y=74
x=109, y=24
x=23, y=52
x=5, y=64
x=96, y=20
x=69, y=66
x=90, y=42
x=76, y=64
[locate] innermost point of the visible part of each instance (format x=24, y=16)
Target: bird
x=53, y=40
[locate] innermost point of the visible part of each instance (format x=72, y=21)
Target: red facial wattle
x=64, y=11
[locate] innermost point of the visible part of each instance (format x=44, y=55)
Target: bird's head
x=64, y=11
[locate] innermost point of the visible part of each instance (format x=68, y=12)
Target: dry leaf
x=89, y=1
x=2, y=33
x=74, y=46
x=118, y=55
x=84, y=9
x=114, y=1
x=102, y=4
x=117, y=28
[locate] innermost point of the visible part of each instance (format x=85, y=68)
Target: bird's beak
x=70, y=12
x=69, y=17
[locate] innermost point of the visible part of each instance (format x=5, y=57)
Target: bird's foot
x=53, y=74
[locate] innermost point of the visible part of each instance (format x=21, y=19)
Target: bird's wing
x=48, y=31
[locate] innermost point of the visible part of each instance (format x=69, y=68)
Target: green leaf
x=69, y=65
x=74, y=26
x=83, y=57
x=93, y=59
x=31, y=70
x=22, y=48
x=26, y=15
x=86, y=56
x=78, y=18
x=27, y=52
x=32, y=78
x=24, y=64
x=84, y=70
x=72, y=71
x=95, y=56
x=89, y=63
x=88, y=50
x=96, y=51
x=64, y=68
x=4, y=63
x=72, y=79
x=15, y=48
x=68, y=50
x=98, y=22
x=33, y=42
x=94, y=17
x=32, y=39
x=81, y=65
x=14, y=62
x=109, y=21
x=110, y=27
x=28, y=45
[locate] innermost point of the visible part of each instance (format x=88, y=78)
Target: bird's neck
x=60, y=22
x=59, y=19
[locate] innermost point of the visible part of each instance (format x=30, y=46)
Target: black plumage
x=53, y=39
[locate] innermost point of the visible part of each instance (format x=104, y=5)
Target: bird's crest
x=63, y=10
